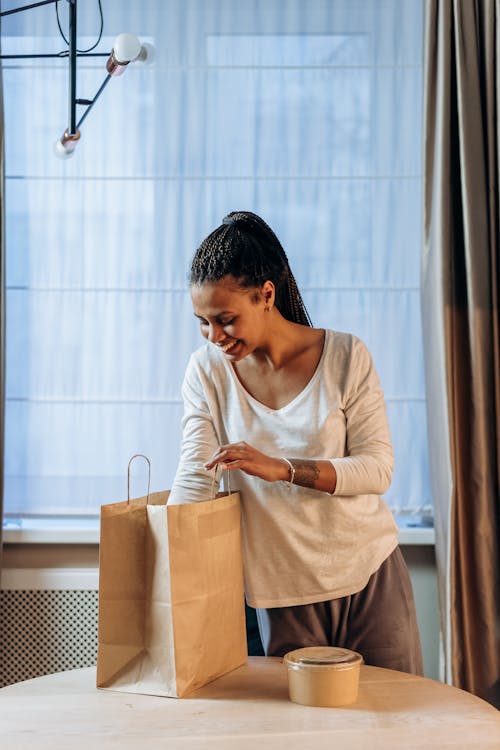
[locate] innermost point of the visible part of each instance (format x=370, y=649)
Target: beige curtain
x=460, y=288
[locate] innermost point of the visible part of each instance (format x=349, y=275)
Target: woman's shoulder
x=344, y=349
x=205, y=362
x=343, y=341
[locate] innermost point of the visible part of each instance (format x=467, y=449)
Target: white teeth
x=229, y=346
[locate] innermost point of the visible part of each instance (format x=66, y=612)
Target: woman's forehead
x=219, y=295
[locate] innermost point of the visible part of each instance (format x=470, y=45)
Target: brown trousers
x=379, y=622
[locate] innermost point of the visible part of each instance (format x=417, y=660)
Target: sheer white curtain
x=308, y=114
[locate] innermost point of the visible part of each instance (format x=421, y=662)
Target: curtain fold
x=460, y=294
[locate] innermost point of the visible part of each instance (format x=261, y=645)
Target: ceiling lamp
x=126, y=49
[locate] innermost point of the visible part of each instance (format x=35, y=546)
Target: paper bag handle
x=138, y=455
x=214, y=481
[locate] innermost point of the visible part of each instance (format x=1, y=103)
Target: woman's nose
x=215, y=333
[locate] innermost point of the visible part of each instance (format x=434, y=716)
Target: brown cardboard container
x=323, y=676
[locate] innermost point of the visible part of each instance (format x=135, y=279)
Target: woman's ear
x=268, y=293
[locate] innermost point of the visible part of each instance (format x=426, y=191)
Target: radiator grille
x=42, y=632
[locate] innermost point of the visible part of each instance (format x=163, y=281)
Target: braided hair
x=245, y=247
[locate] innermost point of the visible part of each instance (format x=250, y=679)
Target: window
x=311, y=119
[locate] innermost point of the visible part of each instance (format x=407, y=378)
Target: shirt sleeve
x=369, y=461
x=192, y=481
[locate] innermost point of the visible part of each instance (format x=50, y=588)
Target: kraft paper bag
x=171, y=602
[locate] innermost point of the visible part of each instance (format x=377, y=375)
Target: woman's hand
x=250, y=460
x=314, y=474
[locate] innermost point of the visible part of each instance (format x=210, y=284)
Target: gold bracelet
x=291, y=473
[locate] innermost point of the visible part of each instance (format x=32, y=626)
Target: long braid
x=299, y=311
x=245, y=247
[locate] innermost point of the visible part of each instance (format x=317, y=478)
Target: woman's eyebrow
x=219, y=315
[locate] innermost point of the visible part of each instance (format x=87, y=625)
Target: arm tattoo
x=306, y=473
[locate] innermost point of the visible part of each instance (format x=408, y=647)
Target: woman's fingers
x=237, y=464
x=228, y=453
x=248, y=459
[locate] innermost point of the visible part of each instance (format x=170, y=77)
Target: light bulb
x=126, y=48
x=66, y=144
x=147, y=54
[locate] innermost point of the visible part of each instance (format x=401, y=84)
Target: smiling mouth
x=227, y=347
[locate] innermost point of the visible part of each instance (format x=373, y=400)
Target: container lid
x=322, y=657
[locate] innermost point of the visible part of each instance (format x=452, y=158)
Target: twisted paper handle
x=214, y=482
x=138, y=455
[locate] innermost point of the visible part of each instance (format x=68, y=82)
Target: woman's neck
x=284, y=340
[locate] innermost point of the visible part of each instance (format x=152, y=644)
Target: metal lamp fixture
x=126, y=49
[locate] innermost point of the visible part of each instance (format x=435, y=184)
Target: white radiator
x=48, y=622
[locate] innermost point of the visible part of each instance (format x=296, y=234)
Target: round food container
x=323, y=676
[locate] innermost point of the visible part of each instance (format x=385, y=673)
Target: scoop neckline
x=296, y=398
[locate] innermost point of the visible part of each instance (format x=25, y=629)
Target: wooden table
x=248, y=708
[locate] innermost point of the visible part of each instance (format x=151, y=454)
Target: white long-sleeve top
x=299, y=545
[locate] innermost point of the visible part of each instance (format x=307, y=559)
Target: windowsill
x=413, y=530
x=51, y=531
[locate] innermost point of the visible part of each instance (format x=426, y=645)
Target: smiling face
x=232, y=317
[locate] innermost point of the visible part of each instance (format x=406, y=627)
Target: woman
x=297, y=416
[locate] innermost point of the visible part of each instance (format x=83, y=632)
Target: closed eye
x=204, y=322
